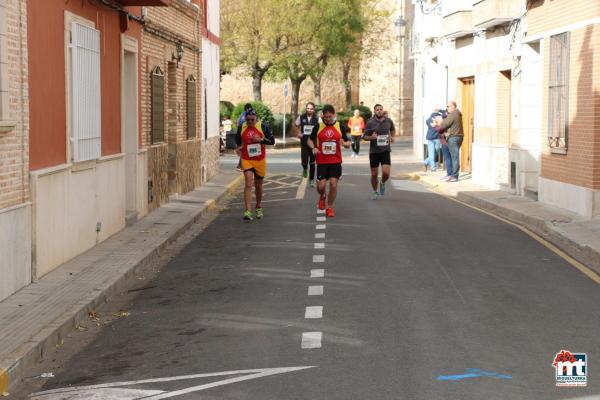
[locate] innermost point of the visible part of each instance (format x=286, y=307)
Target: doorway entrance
x=129, y=128
x=467, y=109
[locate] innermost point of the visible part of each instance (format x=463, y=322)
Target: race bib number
x=254, y=150
x=329, y=148
x=383, y=140
x=307, y=130
x=357, y=128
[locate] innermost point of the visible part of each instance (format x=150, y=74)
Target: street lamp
x=400, y=24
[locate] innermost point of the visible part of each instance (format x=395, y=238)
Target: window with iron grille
x=191, y=106
x=558, y=93
x=158, y=105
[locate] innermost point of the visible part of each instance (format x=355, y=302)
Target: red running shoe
x=329, y=213
x=322, y=203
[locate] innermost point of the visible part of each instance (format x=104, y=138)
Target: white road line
x=301, y=189
x=321, y=219
x=95, y=391
x=317, y=273
x=320, y=227
x=319, y=245
x=316, y=290
x=320, y=211
x=319, y=258
x=319, y=235
x=313, y=312
x=311, y=340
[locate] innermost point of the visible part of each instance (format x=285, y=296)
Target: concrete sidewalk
x=577, y=235
x=36, y=318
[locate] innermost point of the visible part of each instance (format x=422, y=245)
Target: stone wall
x=210, y=158
x=184, y=166
x=158, y=178
x=387, y=77
x=237, y=88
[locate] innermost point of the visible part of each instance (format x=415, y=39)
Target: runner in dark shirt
x=380, y=132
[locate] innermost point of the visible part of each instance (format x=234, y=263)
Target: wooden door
x=467, y=109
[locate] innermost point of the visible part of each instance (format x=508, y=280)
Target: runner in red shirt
x=326, y=141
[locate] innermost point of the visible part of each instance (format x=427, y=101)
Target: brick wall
x=157, y=51
x=14, y=145
x=581, y=164
x=545, y=15
x=168, y=163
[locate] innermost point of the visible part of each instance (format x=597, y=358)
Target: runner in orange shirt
x=251, y=138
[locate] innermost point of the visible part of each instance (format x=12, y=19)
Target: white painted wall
x=211, y=71
x=68, y=203
x=15, y=248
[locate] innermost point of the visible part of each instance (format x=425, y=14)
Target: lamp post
x=400, y=27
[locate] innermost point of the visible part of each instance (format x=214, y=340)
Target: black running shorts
x=327, y=171
x=382, y=158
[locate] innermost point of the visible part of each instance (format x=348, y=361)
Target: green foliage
x=225, y=108
x=264, y=113
x=365, y=111
x=343, y=117
x=277, y=126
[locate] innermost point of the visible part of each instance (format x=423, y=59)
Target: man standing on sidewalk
x=251, y=139
x=304, y=126
x=380, y=132
x=453, y=131
x=325, y=141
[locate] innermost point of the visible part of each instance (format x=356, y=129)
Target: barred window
x=158, y=105
x=191, y=106
x=558, y=93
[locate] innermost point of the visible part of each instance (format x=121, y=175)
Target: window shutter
x=85, y=93
x=158, y=105
x=191, y=107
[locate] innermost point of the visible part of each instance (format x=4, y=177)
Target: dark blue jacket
x=432, y=134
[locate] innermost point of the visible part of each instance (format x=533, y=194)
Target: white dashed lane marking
x=319, y=245
x=320, y=211
x=311, y=340
x=319, y=235
x=316, y=290
x=317, y=273
x=313, y=312
x=321, y=219
x=319, y=258
x=321, y=227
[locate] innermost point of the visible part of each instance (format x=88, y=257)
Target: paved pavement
x=412, y=296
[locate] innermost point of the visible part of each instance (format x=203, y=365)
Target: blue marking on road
x=473, y=373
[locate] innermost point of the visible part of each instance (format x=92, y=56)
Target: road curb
x=14, y=367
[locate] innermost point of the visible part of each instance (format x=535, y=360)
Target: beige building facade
x=524, y=77
x=387, y=75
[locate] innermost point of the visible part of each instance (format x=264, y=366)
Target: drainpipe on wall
x=22, y=100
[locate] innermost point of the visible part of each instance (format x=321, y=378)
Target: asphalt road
x=422, y=298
